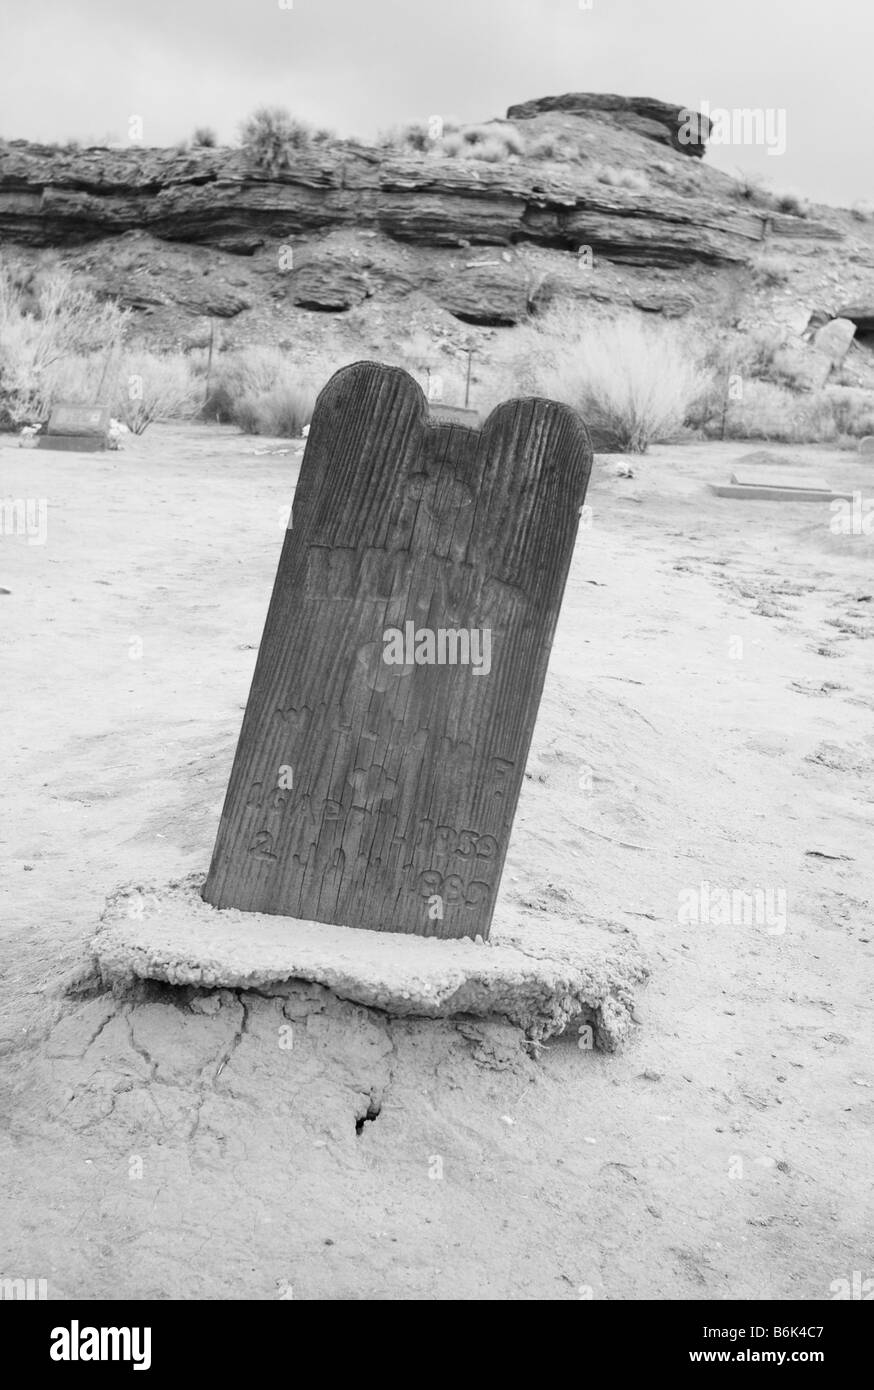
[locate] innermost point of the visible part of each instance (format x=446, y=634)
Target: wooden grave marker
x=398, y=679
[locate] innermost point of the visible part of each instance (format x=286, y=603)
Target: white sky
x=82, y=68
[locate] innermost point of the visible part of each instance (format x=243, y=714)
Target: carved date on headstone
x=385, y=737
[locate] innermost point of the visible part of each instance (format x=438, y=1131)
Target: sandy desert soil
x=176, y=1145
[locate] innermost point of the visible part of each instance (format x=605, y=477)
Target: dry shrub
x=452, y=145
x=261, y=391
x=271, y=137
x=153, y=387
x=638, y=379
x=791, y=202
x=769, y=411
x=632, y=179
x=771, y=269
x=492, y=151
x=53, y=330
x=281, y=412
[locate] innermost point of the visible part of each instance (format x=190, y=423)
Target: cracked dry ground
x=171, y=1143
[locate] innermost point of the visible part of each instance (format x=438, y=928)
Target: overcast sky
x=82, y=68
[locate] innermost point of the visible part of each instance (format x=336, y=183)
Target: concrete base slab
x=778, y=494
x=542, y=976
x=73, y=443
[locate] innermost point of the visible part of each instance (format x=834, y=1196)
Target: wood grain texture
x=405, y=778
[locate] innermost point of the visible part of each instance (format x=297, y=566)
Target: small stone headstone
x=79, y=419
x=84, y=427
x=399, y=675
x=455, y=415
x=866, y=445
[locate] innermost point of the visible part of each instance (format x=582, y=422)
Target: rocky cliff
x=487, y=241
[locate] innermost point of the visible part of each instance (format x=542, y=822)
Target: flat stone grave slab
x=774, y=477
x=777, y=493
x=544, y=976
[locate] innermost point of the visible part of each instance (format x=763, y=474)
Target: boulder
x=654, y=120
x=862, y=315
x=834, y=339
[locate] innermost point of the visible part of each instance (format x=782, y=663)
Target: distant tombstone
x=83, y=427
x=866, y=445
x=455, y=415
x=403, y=658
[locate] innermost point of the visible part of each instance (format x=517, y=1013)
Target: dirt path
x=219, y=1146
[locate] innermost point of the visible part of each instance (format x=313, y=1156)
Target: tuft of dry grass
x=632, y=179
x=771, y=269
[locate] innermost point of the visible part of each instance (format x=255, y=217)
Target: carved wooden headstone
x=402, y=663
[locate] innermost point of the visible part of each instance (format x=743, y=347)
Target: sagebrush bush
x=790, y=202
x=282, y=412
x=748, y=188
x=271, y=137
x=260, y=390
x=205, y=137
x=417, y=137
x=639, y=380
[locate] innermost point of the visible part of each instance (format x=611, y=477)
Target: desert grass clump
x=271, y=137
x=281, y=412
x=548, y=148
x=637, y=379
x=771, y=270
x=204, y=138
x=492, y=151
x=632, y=179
